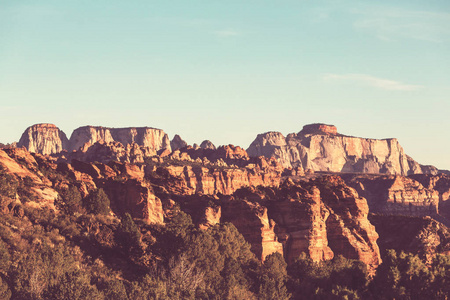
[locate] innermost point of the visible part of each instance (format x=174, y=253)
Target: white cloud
x=392, y=24
x=381, y=83
x=226, y=33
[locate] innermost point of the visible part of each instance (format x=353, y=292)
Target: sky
x=229, y=70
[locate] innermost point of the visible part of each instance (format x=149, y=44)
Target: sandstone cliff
x=319, y=147
x=124, y=144
x=44, y=139
x=151, y=138
x=322, y=218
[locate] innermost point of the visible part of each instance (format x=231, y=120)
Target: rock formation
x=423, y=236
x=395, y=195
x=124, y=144
x=190, y=180
x=320, y=148
x=253, y=223
x=152, y=138
x=206, y=144
x=322, y=218
x=177, y=143
x=44, y=139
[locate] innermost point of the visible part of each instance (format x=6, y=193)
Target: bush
x=97, y=203
x=75, y=286
x=128, y=235
x=72, y=201
x=272, y=278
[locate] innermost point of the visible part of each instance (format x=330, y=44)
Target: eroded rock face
x=44, y=139
x=151, y=138
x=253, y=223
x=105, y=152
x=322, y=218
x=319, y=147
x=209, y=181
x=37, y=191
x=137, y=198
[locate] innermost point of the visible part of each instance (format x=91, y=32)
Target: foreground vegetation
x=84, y=252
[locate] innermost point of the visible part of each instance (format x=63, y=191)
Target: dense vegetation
x=84, y=252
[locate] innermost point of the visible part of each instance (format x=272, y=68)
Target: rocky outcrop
x=423, y=236
x=206, y=144
x=37, y=191
x=441, y=184
x=253, y=223
x=320, y=148
x=395, y=195
x=137, y=198
x=190, y=180
x=322, y=218
x=319, y=129
x=177, y=143
x=105, y=152
x=151, y=138
x=44, y=139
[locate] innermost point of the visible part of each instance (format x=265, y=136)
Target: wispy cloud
x=368, y=80
x=389, y=24
x=226, y=33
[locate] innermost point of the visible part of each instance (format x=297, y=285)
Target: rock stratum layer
x=319, y=147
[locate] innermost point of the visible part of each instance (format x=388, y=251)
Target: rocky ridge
x=319, y=147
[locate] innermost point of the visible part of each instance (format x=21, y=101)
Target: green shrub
x=97, y=203
x=72, y=200
x=128, y=235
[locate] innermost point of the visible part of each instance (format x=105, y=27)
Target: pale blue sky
x=228, y=70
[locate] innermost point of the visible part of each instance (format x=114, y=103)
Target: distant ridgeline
x=316, y=148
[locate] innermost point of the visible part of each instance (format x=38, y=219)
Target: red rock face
x=137, y=198
x=322, y=218
x=253, y=223
x=209, y=181
x=319, y=128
